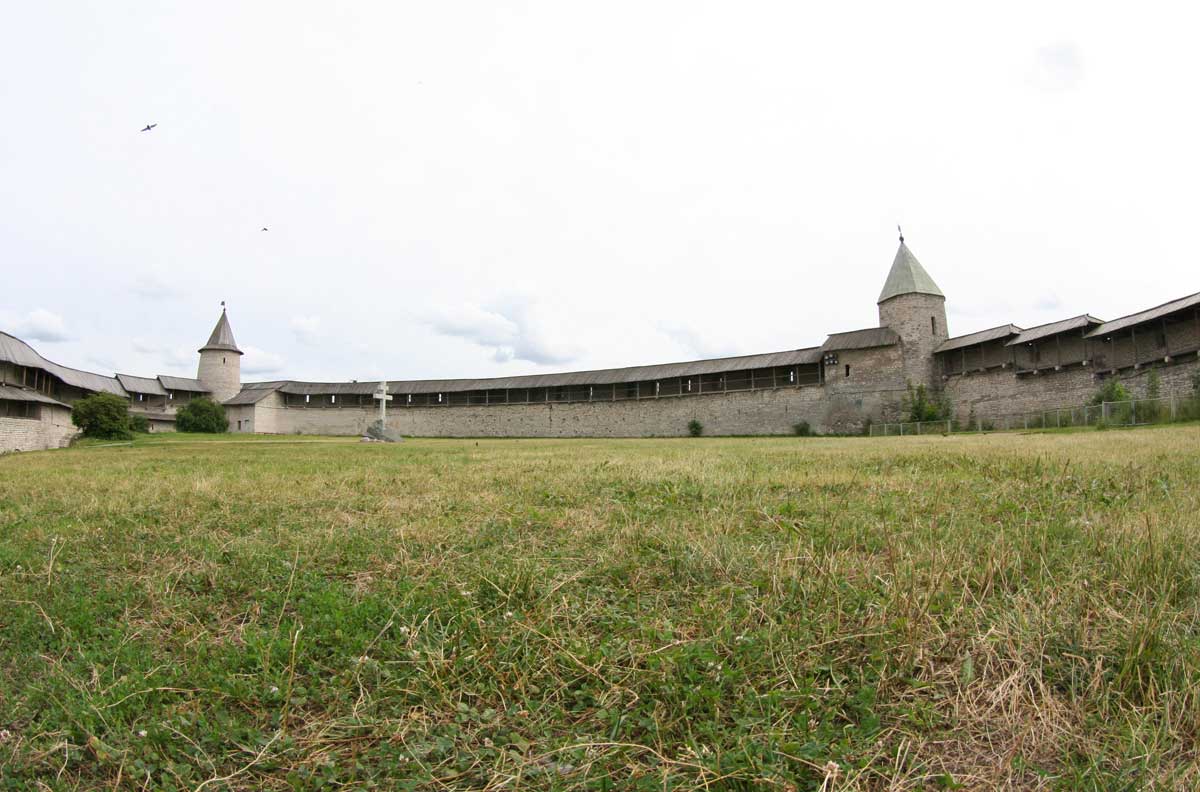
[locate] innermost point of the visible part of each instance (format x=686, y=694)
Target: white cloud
x=509, y=329
x=1048, y=302
x=259, y=361
x=37, y=325
x=174, y=357
x=1058, y=66
x=307, y=329
x=154, y=285
x=694, y=343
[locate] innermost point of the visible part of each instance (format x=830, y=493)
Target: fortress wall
x=843, y=405
x=1001, y=392
x=52, y=430
x=761, y=412
x=271, y=416
x=243, y=413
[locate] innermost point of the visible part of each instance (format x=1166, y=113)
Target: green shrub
x=202, y=415
x=1111, y=391
x=923, y=405
x=102, y=415
x=139, y=424
x=695, y=428
x=802, y=429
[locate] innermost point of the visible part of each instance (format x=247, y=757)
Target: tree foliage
x=202, y=415
x=102, y=415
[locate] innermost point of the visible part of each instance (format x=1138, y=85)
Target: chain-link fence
x=1133, y=412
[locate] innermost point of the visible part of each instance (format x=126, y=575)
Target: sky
x=473, y=189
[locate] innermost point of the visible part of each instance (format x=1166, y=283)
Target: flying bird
x=148, y=127
x=264, y=228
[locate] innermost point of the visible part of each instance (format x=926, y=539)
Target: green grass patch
x=252, y=612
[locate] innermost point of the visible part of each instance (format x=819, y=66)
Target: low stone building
x=852, y=378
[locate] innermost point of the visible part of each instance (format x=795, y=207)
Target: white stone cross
x=384, y=397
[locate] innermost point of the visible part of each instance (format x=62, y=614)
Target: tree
x=202, y=415
x=102, y=415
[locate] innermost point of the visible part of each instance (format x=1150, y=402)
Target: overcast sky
x=490, y=188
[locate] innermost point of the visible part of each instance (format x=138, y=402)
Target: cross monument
x=384, y=397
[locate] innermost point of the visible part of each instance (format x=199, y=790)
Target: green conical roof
x=907, y=276
x=222, y=336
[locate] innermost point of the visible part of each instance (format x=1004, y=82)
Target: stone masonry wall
x=920, y=320
x=873, y=391
x=52, y=430
x=764, y=412
x=1001, y=392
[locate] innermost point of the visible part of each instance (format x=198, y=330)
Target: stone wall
x=845, y=408
x=920, y=320
x=221, y=372
x=1002, y=392
x=53, y=429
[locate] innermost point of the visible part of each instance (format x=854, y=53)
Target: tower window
x=847, y=369
x=222, y=361
x=933, y=324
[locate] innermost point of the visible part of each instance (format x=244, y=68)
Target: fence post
x=1172, y=406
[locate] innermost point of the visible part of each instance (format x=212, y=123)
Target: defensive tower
x=221, y=362
x=913, y=305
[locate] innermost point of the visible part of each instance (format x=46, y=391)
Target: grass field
x=1004, y=611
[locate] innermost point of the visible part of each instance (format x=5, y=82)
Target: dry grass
x=999, y=612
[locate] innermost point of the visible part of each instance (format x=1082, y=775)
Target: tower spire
x=222, y=335
x=907, y=276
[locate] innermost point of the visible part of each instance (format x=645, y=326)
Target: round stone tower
x=221, y=362
x=913, y=306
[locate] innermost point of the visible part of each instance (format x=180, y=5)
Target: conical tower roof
x=222, y=336
x=907, y=276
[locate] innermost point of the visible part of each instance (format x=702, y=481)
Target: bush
x=695, y=428
x=102, y=415
x=1111, y=391
x=802, y=429
x=921, y=405
x=139, y=424
x=202, y=415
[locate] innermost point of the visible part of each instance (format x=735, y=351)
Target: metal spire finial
x=898, y=228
